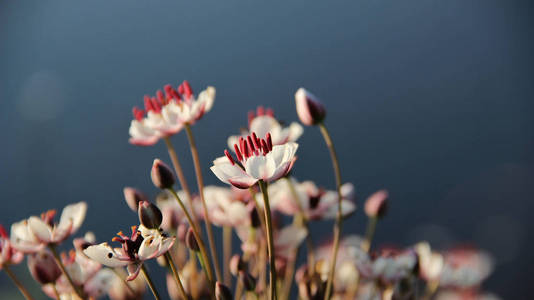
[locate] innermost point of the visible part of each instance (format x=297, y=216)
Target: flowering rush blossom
x=33, y=234
x=168, y=112
x=257, y=159
x=286, y=239
x=316, y=203
x=263, y=122
x=224, y=208
x=143, y=244
x=8, y=254
x=465, y=267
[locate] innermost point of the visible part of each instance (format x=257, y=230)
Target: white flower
x=8, y=254
x=430, y=262
x=465, y=267
x=257, y=159
x=224, y=209
x=33, y=234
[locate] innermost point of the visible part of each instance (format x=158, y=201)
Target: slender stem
x=180, y=173
x=149, y=282
x=369, y=233
x=430, y=289
x=339, y=217
x=227, y=253
x=207, y=268
x=130, y=289
x=76, y=289
x=200, y=182
x=181, y=289
x=54, y=287
x=17, y=282
x=270, y=240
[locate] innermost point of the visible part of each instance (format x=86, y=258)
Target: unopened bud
x=191, y=241
x=149, y=215
x=376, y=204
x=254, y=216
x=162, y=175
x=43, y=267
x=237, y=264
x=309, y=109
x=133, y=196
x=222, y=292
x=249, y=283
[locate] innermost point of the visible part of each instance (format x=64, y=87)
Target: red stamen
x=3, y=232
x=242, y=145
x=238, y=153
x=155, y=105
x=260, y=111
x=161, y=97
x=117, y=239
x=270, y=112
x=247, y=150
x=264, y=147
x=251, y=117
x=185, y=89
x=269, y=141
x=256, y=141
x=148, y=103
x=230, y=158
x=250, y=143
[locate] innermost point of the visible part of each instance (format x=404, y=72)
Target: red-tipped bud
x=149, y=215
x=162, y=175
x=43, y=267
x=376, y=204
x=249, y=283
x=237, y=264
x=222, y=292
x=309, y=108
x=191, y=241
x=133, y=196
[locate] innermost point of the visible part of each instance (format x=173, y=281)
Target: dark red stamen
x=269, y=141
x=155, y=105
x=247, y=150
x=138, y=113
x=270, y=112
x=185, y=89
x=230, y=158
x=238, y=153
x=160, y=97
x=264, y=147
x=260, y=111
x=250, y=143
x=3, y=232
x=148, y=103
x=242, y=145
x=255, y=140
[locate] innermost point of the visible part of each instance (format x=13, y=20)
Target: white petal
x=105, y=255
x=40, y=229
x=232, y=174
x=208, y=97
x=261, y=125
x=260, y=167
x=295, y=131
x=283, y=153
x=75, y=213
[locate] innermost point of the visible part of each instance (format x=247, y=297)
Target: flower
x=119, y=291
x=286, y=239
x=224, y=209
x=31, y=235
x=263, y=122
x=465, y=267
x=167, y=113
x=8, y=254
x=43, y=267
x=315, y=203
x=309, y=109
x=430, y=262
x=134, y=251
x=257, y=159
x=173, y=215
x=376, y=204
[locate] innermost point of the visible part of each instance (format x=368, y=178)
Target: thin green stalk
x=339, y=216
x=270, y=240
x=369, y=233
x=200, y=183
x=227, y=253
x=17, y=282
x=149, y=282
x=76, y=289
x=181, y=289
x=180, y=173
x=56, y=293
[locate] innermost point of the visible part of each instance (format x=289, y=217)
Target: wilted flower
x=257, y=159
x=309, y=109
x=134, y=251
x=8, y=254
x=31, y=235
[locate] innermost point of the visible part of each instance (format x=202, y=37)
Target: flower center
x=130, y=245
x=155, y=104
x=251, y=146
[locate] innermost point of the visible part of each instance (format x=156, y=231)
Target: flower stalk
x=270, y=239
x=149, y=282
x=227, y=253
x=369, y=233
x=75, y=288
x=17, y=282
x=181, y=289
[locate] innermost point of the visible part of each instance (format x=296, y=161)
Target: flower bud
x=162, y=175
x=149, y=215
x=309, y=108
x=254, y=216
x=237, y=264
x=133, y=196
x=249, y=283
x=222, y=292
x=191, y=241
x=43, y=267
x=376, y=204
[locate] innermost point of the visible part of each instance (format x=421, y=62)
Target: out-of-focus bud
x=133, y=196
x=181, y=232
x=161, y=175
x=309, y=109
x=280, y=265
x=376, y=204
x=222, y=292
x=149, y=215
x=237, y=264
x=43, y=267
x=254, y=216
x=249, y=283
x=191, y=241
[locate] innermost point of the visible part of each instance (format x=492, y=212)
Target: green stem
x=339, y=217
x=181, y=289
x=270, y=240
x=149, y=282
x=76, y=289
x=227, y=253
x=200, y=183
x=369, y=233
x=17, y=282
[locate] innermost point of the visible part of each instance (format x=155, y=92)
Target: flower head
x=8, y=254
x=257, y=159
x=224, y=209
x=309, y=109
x=465, y=267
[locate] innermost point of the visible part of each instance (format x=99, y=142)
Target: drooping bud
x=376, y=204
x=249, y=283
x=162, y=176
x=237, y=264
x=133, y=196
x=43, y=267
x=222, y=292
x=191, y=241
x=149, y=215
x=309, y=109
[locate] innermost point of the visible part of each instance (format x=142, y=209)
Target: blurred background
x=432, y=100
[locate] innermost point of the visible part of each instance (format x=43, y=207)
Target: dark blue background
x=432, y=100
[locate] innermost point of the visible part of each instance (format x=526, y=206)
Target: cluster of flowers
x=261, y=197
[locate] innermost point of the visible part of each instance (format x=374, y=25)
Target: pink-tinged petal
x=347, y=208
x=348, y=191
x=74, y=213
x=207, y=96
x=149, y=247
x=142, y=135
x=232, y=174
x=242, y=182
x=40, y=229
x=133, y=270
x=165, y=245
x=289, y=238
x=23, y=239
x=309, y=108
x=62, y=232
x=105, y=255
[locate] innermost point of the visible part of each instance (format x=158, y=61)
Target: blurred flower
x=31, y=235
x=286, y=239
x=316, y=203
x=224, y=209
x=257, y=159
x=263, y=122
x=376, y=204
x=8, y=254
x=134, y=251
x=309, y=109
x=430, y=262
x=119, y=291
x=464, y=295
x=392, y=265
x=133, y=196
x=173, y=215
x=43, y=267
x=465, y=267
